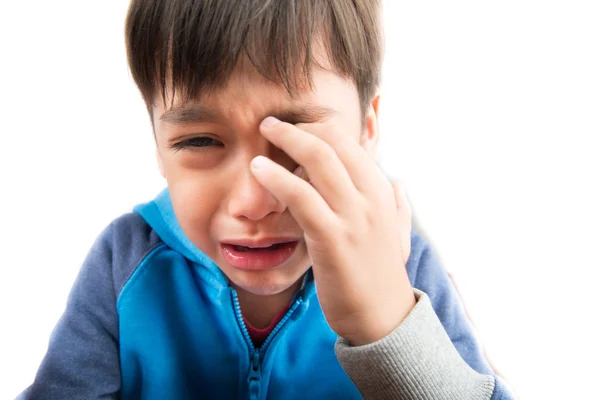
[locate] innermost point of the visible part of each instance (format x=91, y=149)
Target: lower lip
x=258, y=259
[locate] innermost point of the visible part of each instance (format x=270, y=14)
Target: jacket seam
x=130, y=277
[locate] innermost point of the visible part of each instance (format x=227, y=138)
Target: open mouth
x=258, y=258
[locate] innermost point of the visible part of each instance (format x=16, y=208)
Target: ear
x=369, y=139
x=160, y=163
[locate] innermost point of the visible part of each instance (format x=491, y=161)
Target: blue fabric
x=82, y=361
x=501, y=391
x=178, y=293
x=150, y=316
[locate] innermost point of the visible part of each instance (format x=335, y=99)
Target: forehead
x=248, y=94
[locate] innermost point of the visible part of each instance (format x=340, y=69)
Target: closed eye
x=197, y=143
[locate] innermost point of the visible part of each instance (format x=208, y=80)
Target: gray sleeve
x=82, y=361
x=416, y=361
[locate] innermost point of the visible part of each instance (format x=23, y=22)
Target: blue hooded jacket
x=152, y=317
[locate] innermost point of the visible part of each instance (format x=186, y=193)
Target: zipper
x=257, y=354
x=286, y=317
x=254, y=376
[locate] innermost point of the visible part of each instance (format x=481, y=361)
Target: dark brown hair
x=193, y=46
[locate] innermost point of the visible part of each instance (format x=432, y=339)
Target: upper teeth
x=253, y=248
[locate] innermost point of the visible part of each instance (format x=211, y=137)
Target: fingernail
x=269, y=122
x=259, y=162
x=298, y=171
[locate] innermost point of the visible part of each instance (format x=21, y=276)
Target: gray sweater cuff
x=415, y=361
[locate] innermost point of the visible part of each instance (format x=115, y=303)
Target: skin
x=353, y=226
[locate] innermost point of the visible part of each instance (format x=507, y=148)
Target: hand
x=356, y=226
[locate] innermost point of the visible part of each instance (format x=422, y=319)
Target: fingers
x=360, y=166
x=326, y=154
x=320, y=162
x=303, y=201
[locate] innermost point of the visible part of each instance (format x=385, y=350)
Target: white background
x=490, y=114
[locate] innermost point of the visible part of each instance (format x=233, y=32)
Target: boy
x=280, y=262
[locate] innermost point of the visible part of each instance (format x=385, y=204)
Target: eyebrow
x=297, y=113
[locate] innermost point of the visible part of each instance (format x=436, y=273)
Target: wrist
x=381, y=326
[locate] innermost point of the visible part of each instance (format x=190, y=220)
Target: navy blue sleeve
x=82, y=361
x=427, y=274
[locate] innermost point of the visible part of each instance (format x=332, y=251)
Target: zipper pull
x=300, y=309
x=254, y=376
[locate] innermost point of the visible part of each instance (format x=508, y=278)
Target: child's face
x=215, y=197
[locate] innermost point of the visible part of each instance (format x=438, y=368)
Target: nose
x=249, y=199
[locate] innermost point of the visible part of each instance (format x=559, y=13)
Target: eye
x=196, y=143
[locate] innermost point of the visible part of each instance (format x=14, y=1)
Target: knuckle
x=294, y=195
x=351, y=238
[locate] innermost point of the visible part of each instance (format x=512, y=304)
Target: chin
x=267, y=282
x=263, y=288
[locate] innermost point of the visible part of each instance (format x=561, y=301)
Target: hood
x=159, y=214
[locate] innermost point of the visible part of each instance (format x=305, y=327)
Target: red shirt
x=259, y=336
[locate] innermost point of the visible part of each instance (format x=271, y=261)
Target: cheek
x=193, y=185
x=196, y=199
